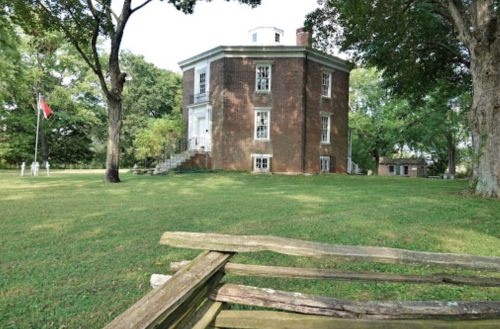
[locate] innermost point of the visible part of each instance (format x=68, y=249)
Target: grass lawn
x=75, y=252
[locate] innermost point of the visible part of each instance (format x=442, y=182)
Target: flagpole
x=37, y=126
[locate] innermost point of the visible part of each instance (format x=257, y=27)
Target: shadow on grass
x=78, y=252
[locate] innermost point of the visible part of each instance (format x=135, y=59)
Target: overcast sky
x=165, y=36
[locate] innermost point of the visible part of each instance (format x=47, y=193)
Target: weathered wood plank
x=282, y=320
x=309, y=304
x=346, y=275
x=157, y=305
x=203, y=317
x=252, y=243
x=185, y=311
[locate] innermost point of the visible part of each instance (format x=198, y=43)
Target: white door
x=201, y=133
x=200, y=128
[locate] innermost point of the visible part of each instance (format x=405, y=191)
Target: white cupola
x=266, y=36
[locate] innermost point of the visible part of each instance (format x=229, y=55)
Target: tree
x=66, y=85
x=158, y=137
x=443, y=121
x=152, y=93
x=417, y=42
x=82, y=22
x=381, y=123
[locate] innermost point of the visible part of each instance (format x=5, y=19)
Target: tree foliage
x=411, y=42
x=158, y=137
x=418, y=43
x=70, y=90
x=152, y=93
x=381, y=122
x=82, y=23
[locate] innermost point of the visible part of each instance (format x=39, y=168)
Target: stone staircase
x=174, y=162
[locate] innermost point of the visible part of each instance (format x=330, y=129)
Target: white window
x=261, y=162
x=202, y=83
x=277, y=37
x=254, y=37
x=263, y=78
x=325, y=127
x=326, y=82
x=326, y=87
x=324, y=163
x=262, y=123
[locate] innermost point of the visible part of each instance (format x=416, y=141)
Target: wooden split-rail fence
x=195, y=297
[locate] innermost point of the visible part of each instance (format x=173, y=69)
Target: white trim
x=256, y=111
x=327, y=70
x=253, y=155
x=194, y=106
x=263, y=62
x=270, y=70
x=261, y=156
x=329, y=117
x=323, y=113
x=325, y=158
x=267, y=27
x=329, y=92
x=265, y=52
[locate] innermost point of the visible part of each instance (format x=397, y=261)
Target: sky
x=166, y=36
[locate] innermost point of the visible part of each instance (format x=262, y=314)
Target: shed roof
x=404, y=161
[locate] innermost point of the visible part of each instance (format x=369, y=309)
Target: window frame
x=204, y=84
x=329, y=73
x=269, y=66
x=262, y=157
x=327, y=115
x=393, y=172
x=266, y=110
x=322, y=159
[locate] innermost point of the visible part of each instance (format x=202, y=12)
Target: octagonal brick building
x=267, y=107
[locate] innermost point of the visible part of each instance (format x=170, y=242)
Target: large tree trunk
x=484, y=118
x=476, y=25
x=113, y=151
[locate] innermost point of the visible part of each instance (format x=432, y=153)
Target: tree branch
x=69, y=35
x=450, y=50
x=108, y=10
x=137, y=8
x=461, y=22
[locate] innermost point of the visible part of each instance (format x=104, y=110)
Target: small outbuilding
x=403, y=167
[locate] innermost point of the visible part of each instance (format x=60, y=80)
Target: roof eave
x=270, y=51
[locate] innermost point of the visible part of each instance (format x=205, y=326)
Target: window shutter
x=332, y=164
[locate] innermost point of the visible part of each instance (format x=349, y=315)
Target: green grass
x=76, y=252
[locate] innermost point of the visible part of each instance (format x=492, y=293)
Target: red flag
x=45, y=108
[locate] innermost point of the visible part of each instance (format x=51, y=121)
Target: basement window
x=261, y=162
x=324, y=164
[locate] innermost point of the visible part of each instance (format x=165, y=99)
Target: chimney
x=304, y=39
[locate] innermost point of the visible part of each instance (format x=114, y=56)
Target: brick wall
x=198, y=161
x=217, y=89
x=232, y=84
x=187, y=92
x=285, y=99
x=338, y=104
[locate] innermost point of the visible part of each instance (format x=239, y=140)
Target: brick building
x=267, y=107
x=403, y=167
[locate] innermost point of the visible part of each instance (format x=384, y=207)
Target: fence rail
x=195, y=297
